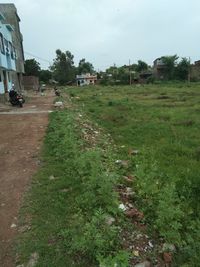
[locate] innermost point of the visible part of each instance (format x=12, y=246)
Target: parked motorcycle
x=16, y=99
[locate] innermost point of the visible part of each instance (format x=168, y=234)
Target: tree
x=63, y=67
x=170, y=65
x=45, y=75
x=32, y=67
x=85, y=67
x=141, y=66
x=182, y=69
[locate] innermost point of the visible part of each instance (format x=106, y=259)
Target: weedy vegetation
x=163, y=123
x=72, y=195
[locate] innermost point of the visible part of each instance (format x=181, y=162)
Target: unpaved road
x=21, y=134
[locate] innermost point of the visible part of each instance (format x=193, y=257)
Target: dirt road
x=21, y=134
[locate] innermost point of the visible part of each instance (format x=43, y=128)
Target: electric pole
x=130, y=80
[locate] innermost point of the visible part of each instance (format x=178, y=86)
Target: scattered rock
x=110, y=220
x=134, y=213
x=167, y=257
x=122, y=163
x=122, y=207
x=24, y=228
x=136, y=253
x=52, y=177
x=150, y=244
x=168, y=247
x=129, y=191
x=65, y=190
x=143, y=264
x=13, y=225
x=133, y=152
x=58, y=104
x=33, y=260
x=128, y=178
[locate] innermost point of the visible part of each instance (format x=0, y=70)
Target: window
x=11, y=50
x=15, y=52
x=6, y=45
x=2, y=44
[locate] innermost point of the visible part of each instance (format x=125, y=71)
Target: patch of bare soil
x=21, y=135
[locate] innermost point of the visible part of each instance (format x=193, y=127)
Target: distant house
x=7, y=56
x=86, y=79
x=10, y=16
x=195, y=71
x=159, y=68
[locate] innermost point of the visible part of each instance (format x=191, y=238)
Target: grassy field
x=155, y=130
x=162, y=122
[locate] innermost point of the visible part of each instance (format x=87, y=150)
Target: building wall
x=10, y=13
x=31, y=83
x=195, y=72
x=7, y=57
x=6, y=60
x=9, y=78
x=86, y=79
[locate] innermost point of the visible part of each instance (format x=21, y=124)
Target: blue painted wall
x=7, y=57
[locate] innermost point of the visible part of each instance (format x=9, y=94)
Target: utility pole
x=130, y=79
x=189, y=72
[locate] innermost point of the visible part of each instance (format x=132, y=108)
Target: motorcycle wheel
x=21, y=105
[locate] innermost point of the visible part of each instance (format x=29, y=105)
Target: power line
x=30, y=54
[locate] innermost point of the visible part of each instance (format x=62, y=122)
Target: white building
x=7, y=56
x=86, y=79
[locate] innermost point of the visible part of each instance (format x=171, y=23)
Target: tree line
x=64, y=71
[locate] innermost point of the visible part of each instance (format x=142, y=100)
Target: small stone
x=13, y=225
x=110, y=220
x=58, y=104
x=134, y=213
x=51, y=177
x=33, y=260
x=128, y=178
x=65, y=190
x=122, y=207
x=133, y=152
x=3, y=204
x=136, y=253
x=168, y=247
x=118, y=161
x=143, y=264
x=150, y=244
x=129, y=191
x=167, y=257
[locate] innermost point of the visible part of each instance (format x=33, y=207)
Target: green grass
x=72, y=194
x=163, y=123
x=70, y=200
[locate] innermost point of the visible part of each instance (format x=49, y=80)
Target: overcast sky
x=110, y=31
